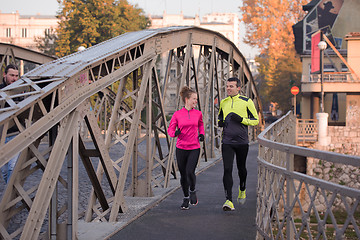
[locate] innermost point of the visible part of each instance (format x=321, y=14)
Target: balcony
x=330, y=77
x=333, y=82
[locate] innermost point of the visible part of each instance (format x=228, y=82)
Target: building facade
x=22, y=30
x=337, y=20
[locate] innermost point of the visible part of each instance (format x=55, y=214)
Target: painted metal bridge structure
x=115, y=92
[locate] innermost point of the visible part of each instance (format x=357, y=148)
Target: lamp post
x=322, y=116
x=322, y=46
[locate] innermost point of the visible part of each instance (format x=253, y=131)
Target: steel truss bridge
x=116, y=92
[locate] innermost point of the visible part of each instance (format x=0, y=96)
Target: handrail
x=307, y=152
x=293, y=205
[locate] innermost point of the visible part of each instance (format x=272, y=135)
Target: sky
x=153, y=7
x=189, y=7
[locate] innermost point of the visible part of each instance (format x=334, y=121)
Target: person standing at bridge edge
x=10, y=75
x=236, y=113
x=187, y=125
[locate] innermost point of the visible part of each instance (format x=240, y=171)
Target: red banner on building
x=315, y=52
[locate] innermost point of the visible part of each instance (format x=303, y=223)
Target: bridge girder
x=10, y=53
x=87, y=105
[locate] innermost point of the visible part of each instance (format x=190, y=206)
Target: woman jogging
x=187, y=125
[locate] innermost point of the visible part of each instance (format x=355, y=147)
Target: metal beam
x=28, y=55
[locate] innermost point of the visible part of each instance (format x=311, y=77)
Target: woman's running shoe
x=193, y=198
x=185, y=204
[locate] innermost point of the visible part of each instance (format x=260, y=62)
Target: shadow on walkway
x=206, y=220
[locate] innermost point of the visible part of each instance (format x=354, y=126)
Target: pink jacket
x=190, y=124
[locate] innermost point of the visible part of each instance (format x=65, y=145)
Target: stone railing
x=292, y=205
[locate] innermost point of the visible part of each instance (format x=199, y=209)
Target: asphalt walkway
x=206, y=220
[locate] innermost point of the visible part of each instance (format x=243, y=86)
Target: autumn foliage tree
x=89, y=22
x=269, y=27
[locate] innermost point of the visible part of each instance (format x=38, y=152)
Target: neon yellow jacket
x=232, y=109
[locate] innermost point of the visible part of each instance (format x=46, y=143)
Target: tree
x=48, y=43
x=269, y=27
x=288, y=74
x=89, y=22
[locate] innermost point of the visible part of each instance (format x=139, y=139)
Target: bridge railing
x=292, y=205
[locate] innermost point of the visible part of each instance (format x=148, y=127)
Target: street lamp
x=322, y=46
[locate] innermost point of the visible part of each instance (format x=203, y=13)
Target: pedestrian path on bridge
x=206, y=220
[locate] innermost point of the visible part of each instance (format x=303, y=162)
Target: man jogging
x=235, y=115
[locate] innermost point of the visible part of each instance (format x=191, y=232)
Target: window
x=338, y=42
x=8, y=32
x=47, y=31
x=329, y=68
x=172, y=74
x=24, y=32
x=344, y=68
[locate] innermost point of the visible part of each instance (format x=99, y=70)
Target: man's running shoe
x=185, y=204
x=193, y=198
x=228, y=206
x=242, y=196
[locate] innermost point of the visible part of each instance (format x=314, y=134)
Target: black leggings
x=228, y=151
x=187, y=161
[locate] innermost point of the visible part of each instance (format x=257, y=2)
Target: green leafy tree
x=48, y=43
x=89, y=22
x=269, y=27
